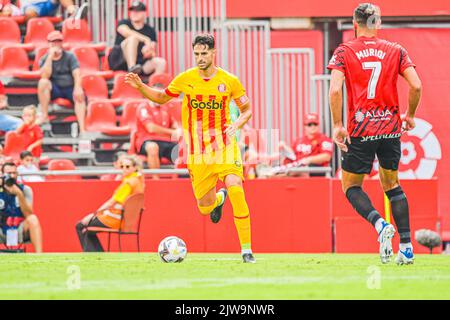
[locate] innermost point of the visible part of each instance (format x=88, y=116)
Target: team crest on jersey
x=359, y=116
x=222, y=87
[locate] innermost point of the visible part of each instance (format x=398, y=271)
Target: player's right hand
x=340, y=136
x=409, y=123
x=133, y=80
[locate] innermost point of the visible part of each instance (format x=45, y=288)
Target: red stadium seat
x=105, y=63
x=62, y=164
x=129, y=113
x=14, y=145
x=38, y=54
x=161, y=80
x=101, y=117
x=63, y=103
x=76, y=33
x=10, y=34
x=90, y=63
x=123, y=91
x=14, y=62
x=37, y=31
x=96, y=89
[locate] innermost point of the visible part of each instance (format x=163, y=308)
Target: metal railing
x=244, y=45
x=292, y=93
x=99, y=172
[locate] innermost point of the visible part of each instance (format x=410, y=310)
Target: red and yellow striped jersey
x=205, y=109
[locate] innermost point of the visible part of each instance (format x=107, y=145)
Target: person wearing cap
x=135, y=45
x=314, y=149
x=60, y=78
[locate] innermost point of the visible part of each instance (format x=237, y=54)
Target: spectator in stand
x=46, y=8
x=16, y=211
x=109, y=215
x=135, y=45
x=31, y=132
x=117, y=163
x=28, y=165
x=7, y=122
x=61, y=78
x=157, y=134
x=314, y=149
x=9, y=8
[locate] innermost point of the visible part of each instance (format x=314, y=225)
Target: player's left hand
x=340, y=136
x=231, y=129
x=409, y=123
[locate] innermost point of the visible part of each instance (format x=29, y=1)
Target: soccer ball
x=172, y=249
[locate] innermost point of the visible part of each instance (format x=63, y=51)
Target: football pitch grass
x=221, y=277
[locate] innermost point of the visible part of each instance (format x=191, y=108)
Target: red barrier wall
x=332, y=8
x=288, y=215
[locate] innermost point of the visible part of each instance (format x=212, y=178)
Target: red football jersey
x=305, y=147
x=157, y=115
x=31, y=134
x=371, y=67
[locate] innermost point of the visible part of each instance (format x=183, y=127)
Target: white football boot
x=385, y=239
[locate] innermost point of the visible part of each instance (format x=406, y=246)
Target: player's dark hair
x=366, y=14
x=206, y=39
x=8, y=164
x=25, y=154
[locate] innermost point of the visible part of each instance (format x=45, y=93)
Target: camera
x=8, y=180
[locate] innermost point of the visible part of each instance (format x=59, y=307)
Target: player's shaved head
x=205, y=39
x=367, y=15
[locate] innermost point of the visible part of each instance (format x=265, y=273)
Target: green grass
x=221, y=276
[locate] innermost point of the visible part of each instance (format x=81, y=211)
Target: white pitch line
x=119, y=285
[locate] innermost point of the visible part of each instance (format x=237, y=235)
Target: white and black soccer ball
x=172, y=249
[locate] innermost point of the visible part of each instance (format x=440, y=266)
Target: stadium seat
x=14, y=145
x=62, y=164
x=37, y=31
x=105, y=63
x=132, y=211
x=123, y=91
x=90, y=63
x=101, y=117
x=63, y=103
x=76, y=33
x=162, y=80
x=128, y=117
x=10, y=34
x=14, y=62
x=96, y=89
x=38, y=54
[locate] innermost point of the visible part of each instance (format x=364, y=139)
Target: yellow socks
x=208, y=209
x=241, y=217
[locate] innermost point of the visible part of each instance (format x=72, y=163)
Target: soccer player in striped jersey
x=213, y=151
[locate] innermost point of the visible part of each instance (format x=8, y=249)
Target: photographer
x=16, y=210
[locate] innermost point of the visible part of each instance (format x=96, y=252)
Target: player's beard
x=206, y=67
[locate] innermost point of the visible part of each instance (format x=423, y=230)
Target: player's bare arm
x=244, y=117
x=340, y=134
x=155, y=95
x=415, y=91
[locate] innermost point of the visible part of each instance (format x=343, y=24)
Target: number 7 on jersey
x=375, y=66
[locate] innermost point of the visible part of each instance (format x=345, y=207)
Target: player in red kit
x=370, y=67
